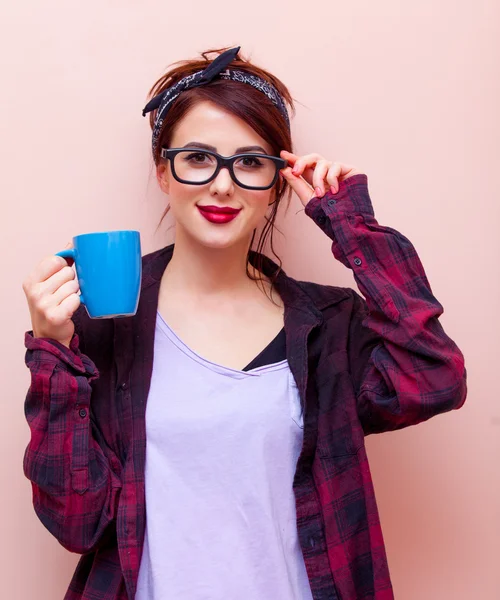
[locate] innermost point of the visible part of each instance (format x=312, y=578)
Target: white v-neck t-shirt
x=221, y=451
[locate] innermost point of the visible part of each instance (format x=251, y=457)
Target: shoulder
x=329, y=298
x=154, y=263
x=149, y=260
x=342, y=309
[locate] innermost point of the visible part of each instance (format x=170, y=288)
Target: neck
x=203, y=271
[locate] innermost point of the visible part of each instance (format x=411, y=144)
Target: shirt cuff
x=352, y=197
x=71, y=356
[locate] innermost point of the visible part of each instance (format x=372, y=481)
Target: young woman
x=212, y=446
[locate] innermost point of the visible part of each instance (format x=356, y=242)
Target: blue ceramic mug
x=109, y=270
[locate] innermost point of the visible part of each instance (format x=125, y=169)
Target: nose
x=223, y=183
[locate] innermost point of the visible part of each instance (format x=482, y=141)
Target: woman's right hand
x=51, y=290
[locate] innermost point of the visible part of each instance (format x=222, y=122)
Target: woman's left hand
x=311, y=175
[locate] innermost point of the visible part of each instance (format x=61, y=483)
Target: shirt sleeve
x=75, y=480
x=404, y=367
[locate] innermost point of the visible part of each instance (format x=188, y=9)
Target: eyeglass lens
x=252, y=170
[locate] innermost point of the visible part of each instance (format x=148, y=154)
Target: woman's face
x=206, y=123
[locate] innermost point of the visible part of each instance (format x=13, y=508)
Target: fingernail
x=318, y=191
x=333, y=189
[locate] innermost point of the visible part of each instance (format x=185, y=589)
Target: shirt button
x=124, y=385
x=357, y=261
x=82, y=412
x=312, y=543
x=331, y=202
x=321, y=219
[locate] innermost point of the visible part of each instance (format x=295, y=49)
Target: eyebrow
x=214, y=149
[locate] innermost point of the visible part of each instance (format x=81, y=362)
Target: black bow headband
x=217, y=67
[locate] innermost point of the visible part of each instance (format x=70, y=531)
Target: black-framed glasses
x=252, y=171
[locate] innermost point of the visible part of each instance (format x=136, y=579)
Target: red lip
x=220, y=210
x=219, y=215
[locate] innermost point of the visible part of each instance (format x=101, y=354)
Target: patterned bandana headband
x=217, y=68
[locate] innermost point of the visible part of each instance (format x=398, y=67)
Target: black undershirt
x=274, y=352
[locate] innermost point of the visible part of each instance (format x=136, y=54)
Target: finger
x=293, y=158
x=47, y=267
x=57, y=315
x=69, y=305
x=299, y=186
x=305, y=166
x=346, y=171
x=332, y=176
x=66, y=289
x=308, y=160
x=290, y=156
x=68, y=259
x=51, y=285
x=319, y=175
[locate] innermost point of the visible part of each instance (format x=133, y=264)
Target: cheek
x=181, y=197
x=256, y=208
x=259, y=202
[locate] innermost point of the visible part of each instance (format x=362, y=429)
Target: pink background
x=407, y=92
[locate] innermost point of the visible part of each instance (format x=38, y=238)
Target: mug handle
x=69, y=253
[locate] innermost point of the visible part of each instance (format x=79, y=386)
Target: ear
x=162, y=176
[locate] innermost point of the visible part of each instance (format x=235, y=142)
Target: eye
x=197, y=157
x=250, y=162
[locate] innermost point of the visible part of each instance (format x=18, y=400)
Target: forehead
x=211, y=124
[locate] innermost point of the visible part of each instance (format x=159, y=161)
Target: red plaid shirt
x=361, y=366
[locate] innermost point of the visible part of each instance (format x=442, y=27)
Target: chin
x=215, y=239
x=218, y=242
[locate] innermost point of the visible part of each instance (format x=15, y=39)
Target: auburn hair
x=244, y=101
